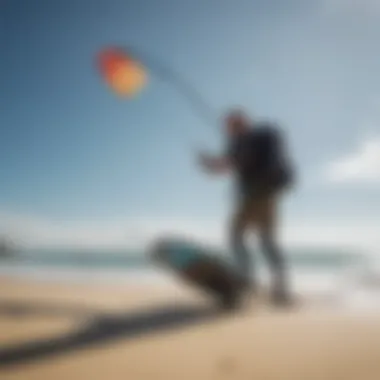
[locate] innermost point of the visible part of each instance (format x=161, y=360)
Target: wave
x=344, y=280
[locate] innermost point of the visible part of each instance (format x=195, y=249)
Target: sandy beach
x=145, y=332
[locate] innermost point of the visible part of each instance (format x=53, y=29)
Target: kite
x=125, y=75
x=125, y=71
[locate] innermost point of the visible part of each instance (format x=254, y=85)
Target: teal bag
x=182, y=256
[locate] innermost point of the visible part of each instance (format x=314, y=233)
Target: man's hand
x=213, y=164
x=205, y=161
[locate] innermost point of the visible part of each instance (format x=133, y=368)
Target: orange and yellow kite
x=124, y=75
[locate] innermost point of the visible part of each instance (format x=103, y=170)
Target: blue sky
x=71, y=150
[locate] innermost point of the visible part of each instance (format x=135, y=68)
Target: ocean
x=339, y=275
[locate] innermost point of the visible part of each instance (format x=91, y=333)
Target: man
x=256, y=155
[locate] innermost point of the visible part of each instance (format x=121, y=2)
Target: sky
x=80, y=166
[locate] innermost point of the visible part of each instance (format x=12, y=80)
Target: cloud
x=351, y=6
x=34, y=232
x=362, y=165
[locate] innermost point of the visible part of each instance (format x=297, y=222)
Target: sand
x=51, y=331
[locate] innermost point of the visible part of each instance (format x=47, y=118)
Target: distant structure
x=7, y=247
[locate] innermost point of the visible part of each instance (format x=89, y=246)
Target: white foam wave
x=355, y=289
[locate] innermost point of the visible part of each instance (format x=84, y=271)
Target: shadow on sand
x=99, y=329
x=19, y=310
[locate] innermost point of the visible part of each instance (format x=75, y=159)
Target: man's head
x=236, y=122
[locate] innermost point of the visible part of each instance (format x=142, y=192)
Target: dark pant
x=258, y=211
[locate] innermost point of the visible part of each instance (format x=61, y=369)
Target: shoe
x=249, y=286
x=230, y=303
x=282, y=299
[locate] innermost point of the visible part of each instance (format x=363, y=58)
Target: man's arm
x=215, y=165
